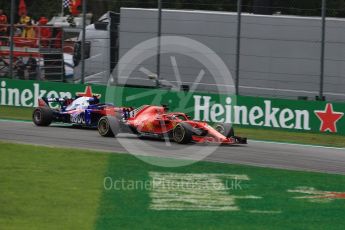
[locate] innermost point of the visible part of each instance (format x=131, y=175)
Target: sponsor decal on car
x=78, y=118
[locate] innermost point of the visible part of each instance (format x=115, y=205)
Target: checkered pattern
x=66, y=3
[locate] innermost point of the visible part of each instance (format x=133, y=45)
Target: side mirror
x=101, y=25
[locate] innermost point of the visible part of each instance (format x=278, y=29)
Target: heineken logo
x=266, y=116
x=28, y=96
x=88, y=93
x=254, y=112
x=329, y=118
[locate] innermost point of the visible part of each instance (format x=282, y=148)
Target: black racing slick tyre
x=225, y=129
x=182, y=133
x=108, y=126
x=42, y=116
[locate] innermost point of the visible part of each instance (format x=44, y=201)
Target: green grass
x=53, y=188
x=47, y=188
x=15, y=113
x=129, y=209
x=324, y=139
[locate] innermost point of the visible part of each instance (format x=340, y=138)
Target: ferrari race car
x=155, y=121
x=81, y=111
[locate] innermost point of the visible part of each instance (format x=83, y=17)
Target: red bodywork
x=155, y=120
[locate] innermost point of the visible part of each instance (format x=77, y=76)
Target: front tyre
x=182, y=133
x=42, y=116
x=226, y=129
x=108, y=126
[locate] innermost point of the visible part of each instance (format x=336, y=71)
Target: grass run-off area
x=325, y=139
x=55, y=188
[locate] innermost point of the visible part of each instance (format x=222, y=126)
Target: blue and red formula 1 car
x=155, y=121
x=81, y=111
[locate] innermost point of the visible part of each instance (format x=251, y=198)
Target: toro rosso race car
x=155, y=121
x=81, y=111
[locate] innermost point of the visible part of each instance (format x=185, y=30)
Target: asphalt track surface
x=274, y=155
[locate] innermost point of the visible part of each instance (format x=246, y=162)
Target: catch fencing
x=272, y=48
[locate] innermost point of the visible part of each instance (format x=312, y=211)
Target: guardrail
x=306, y=116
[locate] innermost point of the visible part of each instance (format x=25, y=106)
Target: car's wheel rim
x=38, y=116
x=178, y=133
x=103, y=127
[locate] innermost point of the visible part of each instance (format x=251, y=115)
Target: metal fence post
x=159, y=34
x=83, y=44
x=322, y=57
x=62, y=9
x=11, y=38
x=238, y=45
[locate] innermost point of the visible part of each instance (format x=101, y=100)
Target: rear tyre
x=42, y=116
x=108, y=126
x=226, y=129
x=182, y=133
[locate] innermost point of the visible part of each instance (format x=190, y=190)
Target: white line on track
x=251, y=140
x=295, y=144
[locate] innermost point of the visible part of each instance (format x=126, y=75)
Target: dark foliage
x=49, y=8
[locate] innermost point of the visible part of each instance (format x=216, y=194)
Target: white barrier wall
x=280, y=55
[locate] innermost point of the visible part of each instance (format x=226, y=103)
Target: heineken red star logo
x=88, y=93
x=329, y=118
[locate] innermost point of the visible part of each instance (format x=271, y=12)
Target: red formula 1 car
x=155, y=121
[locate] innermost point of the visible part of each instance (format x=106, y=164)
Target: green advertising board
x=308, y=116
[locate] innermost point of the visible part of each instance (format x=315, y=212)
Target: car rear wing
x=45, y=102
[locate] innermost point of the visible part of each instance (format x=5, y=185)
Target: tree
x=49, y=8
